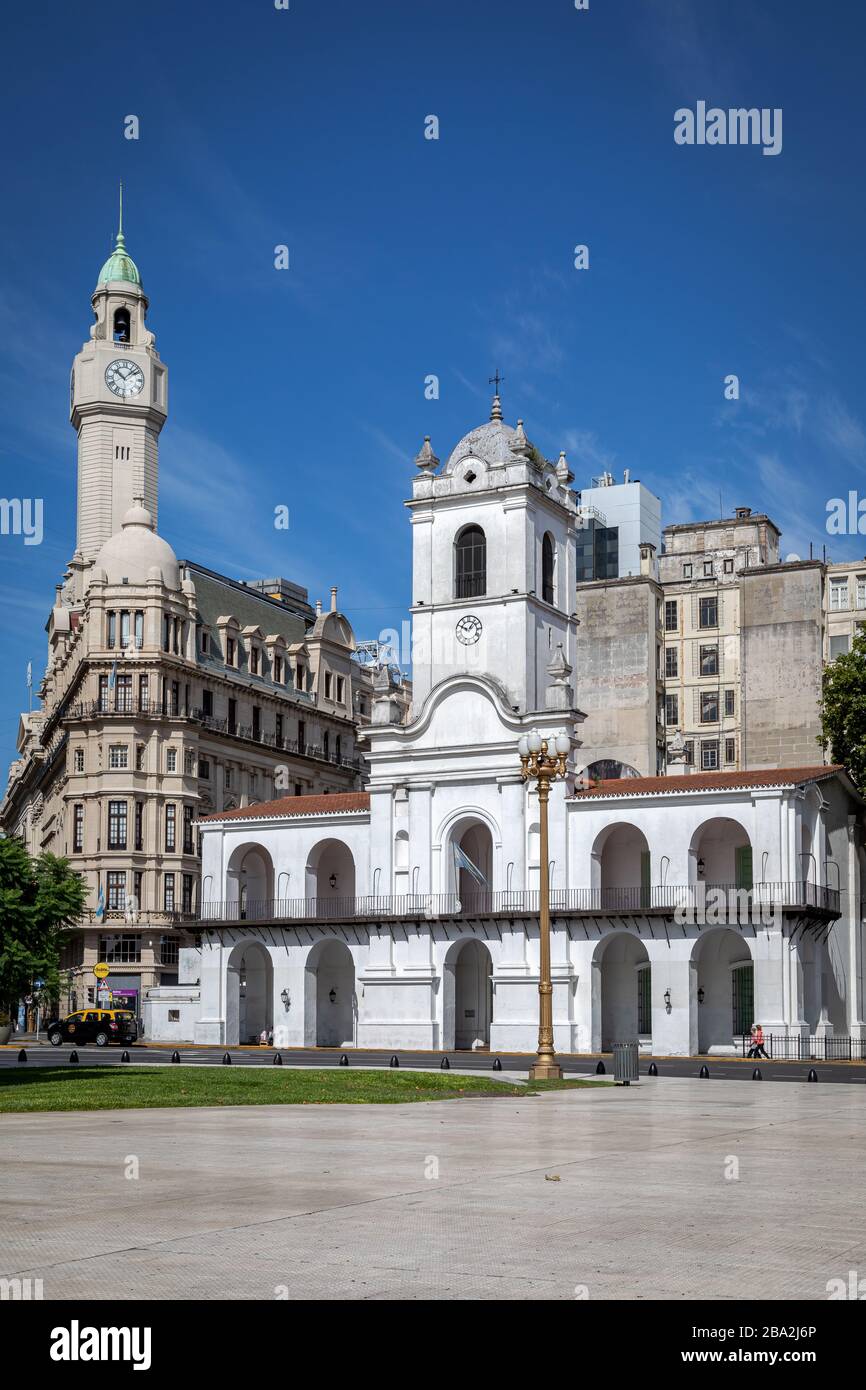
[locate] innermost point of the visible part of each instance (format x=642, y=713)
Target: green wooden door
x=645, y=879
x=744, y=866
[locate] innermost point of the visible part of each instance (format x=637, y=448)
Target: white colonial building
x=406, y=915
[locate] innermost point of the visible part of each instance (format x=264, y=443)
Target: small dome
x=136, y=553
x=490, y=442
x=119, y=266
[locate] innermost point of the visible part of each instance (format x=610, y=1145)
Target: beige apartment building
x=170, y=690
x=845, y=608
x=731, y=671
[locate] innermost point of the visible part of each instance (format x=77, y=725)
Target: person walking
x=757, y=1049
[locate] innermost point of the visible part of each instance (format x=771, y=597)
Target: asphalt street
x=720, y=1068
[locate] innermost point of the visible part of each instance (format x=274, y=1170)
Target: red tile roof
x=709, y=781
x=334, y=804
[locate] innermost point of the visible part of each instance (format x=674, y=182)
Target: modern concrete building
x=170, y=691
x=616, y=519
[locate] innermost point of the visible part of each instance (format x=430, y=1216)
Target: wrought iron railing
x=808, y=1049
x=738, y=905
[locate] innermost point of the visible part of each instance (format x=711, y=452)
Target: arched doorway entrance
x=467, y=996
x=330, y=1001
x=724, y=990
x=249, y=993
x=720, y=855
x=622, y=989
x=330, y=878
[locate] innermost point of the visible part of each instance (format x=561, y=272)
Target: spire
x=120, y=265
x=496, y=408
x=425, y=458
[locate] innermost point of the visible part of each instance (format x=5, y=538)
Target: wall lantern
x=701, y=995
x=333, y=996
x=667, y=997
x=333, y=880
x=287, y=1000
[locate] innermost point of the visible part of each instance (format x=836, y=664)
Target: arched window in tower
x=471, y=563
x=548, y=567
x=121, y=326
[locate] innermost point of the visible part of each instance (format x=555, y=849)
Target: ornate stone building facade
x=170, y=691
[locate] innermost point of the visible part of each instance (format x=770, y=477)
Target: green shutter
x=645, y=879
x=744, y=866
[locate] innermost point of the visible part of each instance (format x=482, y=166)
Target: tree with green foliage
x=40, y=900
x=843, y=710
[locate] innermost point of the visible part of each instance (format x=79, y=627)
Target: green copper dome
x=119, y=266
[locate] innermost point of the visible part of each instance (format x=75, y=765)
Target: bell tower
x=118, y=404
x=494, y=565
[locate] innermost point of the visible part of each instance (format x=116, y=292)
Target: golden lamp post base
x=545, y=1071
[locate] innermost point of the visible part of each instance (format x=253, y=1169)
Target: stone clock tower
x=494, y=565
x=118, y=405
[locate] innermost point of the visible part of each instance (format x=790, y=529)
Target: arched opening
x=467, y=996
x=621, y=869
x=250, y=883
x=622, y=983
x=330, y=1001
x=470, y=865
x=724, y=990
x=121, y=326
x=608, y=770
x=548, y=567
x=330, y=876
x=249, y=994
x=401, y=863
x=470, y=563
x=720, y=855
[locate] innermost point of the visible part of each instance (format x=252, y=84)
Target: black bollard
x=278, y=1059
x=756, y=1074
x=599, y=1071
x=813, y=1075
x=344, y=1061
x=394, y=1062
x=73, y=1056
x=704, y=1072
x=497, y=1065
x=124, y=1056
x=444, y=1065
x=653, y=1069
x=227, y=1061
x=22, y=1056
x=175, y=1056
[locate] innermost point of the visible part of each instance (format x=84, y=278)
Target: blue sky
x=408, y=257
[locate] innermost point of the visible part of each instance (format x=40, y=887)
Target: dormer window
x=121, y=326
x=470, y=563
x=254, y=661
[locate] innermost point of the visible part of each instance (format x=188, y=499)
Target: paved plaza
x=673, y=1189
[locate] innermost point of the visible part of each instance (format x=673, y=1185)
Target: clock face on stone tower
x=468, y=630
x=123, y=377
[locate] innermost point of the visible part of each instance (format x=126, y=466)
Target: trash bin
x=625, y=1062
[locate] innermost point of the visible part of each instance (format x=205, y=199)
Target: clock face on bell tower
x=118, y=405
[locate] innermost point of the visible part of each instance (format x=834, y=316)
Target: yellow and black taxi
x=100, y=1026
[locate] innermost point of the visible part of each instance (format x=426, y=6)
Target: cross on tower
x=495, y=380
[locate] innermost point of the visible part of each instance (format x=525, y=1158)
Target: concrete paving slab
x=673, y=1189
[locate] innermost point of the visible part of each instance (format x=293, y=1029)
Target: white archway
x=474, y=836
x=249, y=993
x=330, y=999
x=621, y=868
x=720, y=854
x=330, y=879
x=467, y=995
x=250, y=882
x=621, y=982
x=724, y=989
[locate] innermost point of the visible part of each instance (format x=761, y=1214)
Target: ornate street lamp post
x=538, y=765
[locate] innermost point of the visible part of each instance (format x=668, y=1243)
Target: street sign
x=101, y=970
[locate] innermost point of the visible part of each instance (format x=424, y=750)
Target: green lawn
x=135, y=1088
